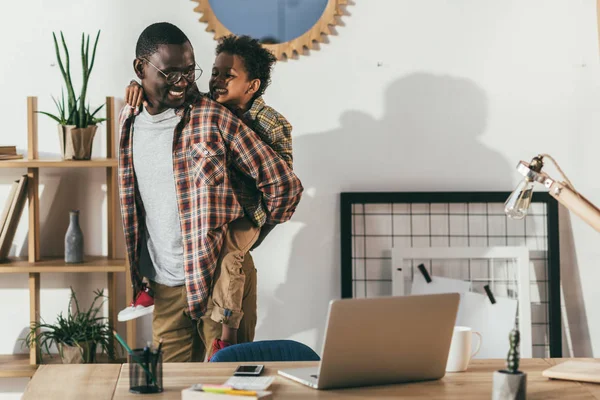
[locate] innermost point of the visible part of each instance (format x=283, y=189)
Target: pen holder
x=145, y=371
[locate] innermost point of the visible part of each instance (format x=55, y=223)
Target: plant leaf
x=77, y=327
x=54, y=117
x=94, y=53
x=98, y=109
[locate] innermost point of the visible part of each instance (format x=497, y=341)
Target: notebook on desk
x=583, y=371
x=382, y=341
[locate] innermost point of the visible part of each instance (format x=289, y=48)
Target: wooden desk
x=65, y=382
x=73, y=381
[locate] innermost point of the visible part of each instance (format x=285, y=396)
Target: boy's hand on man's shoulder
x=134, y=96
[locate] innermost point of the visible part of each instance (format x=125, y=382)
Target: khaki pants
x=186, y=340
x=229, y=280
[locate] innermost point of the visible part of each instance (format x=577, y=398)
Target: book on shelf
x=11, y=214
x=8, y=150
x=10, y=156
x=8, y=203
x=9, y=153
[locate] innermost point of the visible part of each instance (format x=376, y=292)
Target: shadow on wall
x=426, y=140
x=20, y=345
x=576, y=333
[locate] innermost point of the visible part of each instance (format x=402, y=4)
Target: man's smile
x=177, y=93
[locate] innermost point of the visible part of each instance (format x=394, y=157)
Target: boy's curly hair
x=257, y=60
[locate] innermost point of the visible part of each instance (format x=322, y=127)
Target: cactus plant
x=512, y=360
x=510, y=384
x=75, y=112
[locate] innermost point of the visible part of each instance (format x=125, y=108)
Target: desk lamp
x=517, y=204
x=511, y=383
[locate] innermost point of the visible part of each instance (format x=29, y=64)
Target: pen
x=120, y=339
x=160, y=342
x=236, y=392
x=147, y=352
x=147, y=361
x=156, y=355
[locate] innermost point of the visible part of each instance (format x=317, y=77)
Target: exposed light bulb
x=518, y=202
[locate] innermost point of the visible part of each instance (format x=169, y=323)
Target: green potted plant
x=510, y=384
x=77, y=335
x=76, y=124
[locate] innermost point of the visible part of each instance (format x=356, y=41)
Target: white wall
x=410, y=95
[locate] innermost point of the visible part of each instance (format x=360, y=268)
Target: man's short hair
x=257, y=60
x=157, y=34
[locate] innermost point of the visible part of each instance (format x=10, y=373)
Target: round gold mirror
x=286, y=27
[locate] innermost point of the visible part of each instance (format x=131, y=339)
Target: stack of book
x=9, y=219
x=9, y=153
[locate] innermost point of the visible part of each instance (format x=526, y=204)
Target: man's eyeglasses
x=175, y=76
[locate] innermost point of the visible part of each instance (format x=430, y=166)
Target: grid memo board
x=372, y=223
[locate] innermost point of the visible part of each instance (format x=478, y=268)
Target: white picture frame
x=519, y=254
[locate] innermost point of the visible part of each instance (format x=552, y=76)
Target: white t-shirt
x=161, y=259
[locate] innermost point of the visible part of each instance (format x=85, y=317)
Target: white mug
x=460, y=349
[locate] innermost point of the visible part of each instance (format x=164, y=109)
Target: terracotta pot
x=76, y=143
x=84, y=353
x=66, y=142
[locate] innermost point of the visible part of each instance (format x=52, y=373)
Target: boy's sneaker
x=142, y=305
x=217, y=345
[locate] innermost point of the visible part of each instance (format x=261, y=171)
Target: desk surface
x=111, y=381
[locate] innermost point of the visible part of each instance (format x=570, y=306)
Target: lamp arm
x=575, y=202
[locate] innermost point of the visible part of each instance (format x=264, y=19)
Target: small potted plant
x=510, y=384
x=77, y=335
x=76, y=124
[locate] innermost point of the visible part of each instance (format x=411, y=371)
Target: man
x=176, y=164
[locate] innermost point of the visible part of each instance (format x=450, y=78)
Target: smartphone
x=248, y=370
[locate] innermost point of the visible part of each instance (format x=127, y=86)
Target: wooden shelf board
x=58, y=163
x=17, y=365
x=57, y=264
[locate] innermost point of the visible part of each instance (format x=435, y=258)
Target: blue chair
x=266, y=350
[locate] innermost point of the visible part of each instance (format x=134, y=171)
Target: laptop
x=383, y=340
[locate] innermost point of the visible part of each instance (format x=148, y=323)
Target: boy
x=240, y=75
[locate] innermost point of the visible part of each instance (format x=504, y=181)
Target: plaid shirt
x=274, y=130
x=272, y=127
x=210, y=146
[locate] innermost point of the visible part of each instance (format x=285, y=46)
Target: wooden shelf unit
x=57, y=264
x=16, y=366
x=53, y=163
x=23, y=365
